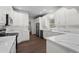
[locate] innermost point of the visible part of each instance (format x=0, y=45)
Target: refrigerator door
x=37, y=29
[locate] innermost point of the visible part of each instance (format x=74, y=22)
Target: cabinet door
x=55, y=48
x=20, y=19
x=23, y=36
x=13, y=48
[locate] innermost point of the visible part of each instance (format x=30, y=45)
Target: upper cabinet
x=3, y=11
x=63, y=17
x=66, y=17
x=17, y=18
x=20, y=19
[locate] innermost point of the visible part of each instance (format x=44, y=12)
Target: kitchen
x=57, y=26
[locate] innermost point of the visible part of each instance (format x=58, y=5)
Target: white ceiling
x=38, y=10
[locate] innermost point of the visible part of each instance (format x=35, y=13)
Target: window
x=52, y=23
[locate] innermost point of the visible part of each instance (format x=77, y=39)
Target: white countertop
x=67, y=40
x=6, y=43
x=65, y=30
x=16, y=29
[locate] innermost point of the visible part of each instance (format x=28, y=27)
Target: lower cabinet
x=8, y=44
x=53, y=47
x=23, y=36
x=13, y=48
x=23, y=32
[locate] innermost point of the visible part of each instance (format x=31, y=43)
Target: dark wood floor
x=34, y=45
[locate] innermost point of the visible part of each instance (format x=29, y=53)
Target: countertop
x=68, y=39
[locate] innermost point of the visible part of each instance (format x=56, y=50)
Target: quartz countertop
x=68, y=40
x=65, y=30
x=16, y=29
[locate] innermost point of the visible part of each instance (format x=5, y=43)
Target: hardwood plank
x=34, y=45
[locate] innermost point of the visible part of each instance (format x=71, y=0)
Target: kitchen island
x=8, y=43
x=61, y=42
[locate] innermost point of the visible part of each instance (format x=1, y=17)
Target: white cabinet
x=23, y=32
x=58, y=42
x=23, y=36
x=53, y=47
x=61, y=17
x=3, y=11
x=20, y=19
x=66, y=17
x=8, y=44
x=13, y=48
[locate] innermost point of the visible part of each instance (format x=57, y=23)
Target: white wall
x=33, y=26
